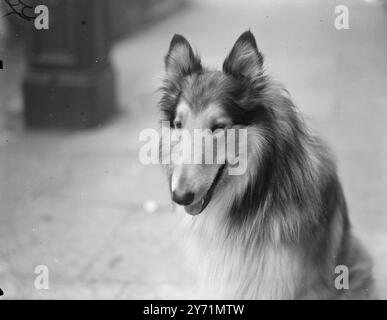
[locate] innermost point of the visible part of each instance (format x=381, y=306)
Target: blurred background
x=73, y=99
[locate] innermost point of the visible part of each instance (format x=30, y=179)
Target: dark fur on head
x=251, y=98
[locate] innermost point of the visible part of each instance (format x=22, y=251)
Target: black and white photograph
x=193, y=150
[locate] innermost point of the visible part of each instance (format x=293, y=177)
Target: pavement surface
x=81, y=202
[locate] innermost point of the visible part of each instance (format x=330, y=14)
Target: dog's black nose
x=183, y=199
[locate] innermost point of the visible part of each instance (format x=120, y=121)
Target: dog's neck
x=254, y=255
x=228, y=263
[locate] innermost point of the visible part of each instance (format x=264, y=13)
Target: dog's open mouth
x=199, y=206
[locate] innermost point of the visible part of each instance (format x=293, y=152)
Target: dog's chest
x=255, y=273
x=240, y=269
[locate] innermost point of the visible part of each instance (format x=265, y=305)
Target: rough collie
x=280, y=230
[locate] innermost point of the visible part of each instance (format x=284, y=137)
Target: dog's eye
x=219, y=126
x=177, y=124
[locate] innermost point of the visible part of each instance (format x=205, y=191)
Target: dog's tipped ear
x=244, y=59
x=180, y=59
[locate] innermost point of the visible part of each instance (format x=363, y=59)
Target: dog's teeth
x=203, y=202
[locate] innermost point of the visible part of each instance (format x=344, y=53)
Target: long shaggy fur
x=279, y=230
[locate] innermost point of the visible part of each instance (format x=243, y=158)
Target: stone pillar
x=69, y=81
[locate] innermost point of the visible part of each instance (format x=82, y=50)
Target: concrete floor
x=74, y=201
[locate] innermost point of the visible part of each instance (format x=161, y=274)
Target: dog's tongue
x=194, y=209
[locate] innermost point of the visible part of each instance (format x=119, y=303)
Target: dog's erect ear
x=180, y=59
x=244, y=60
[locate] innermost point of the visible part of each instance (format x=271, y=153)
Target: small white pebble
x=150, y=206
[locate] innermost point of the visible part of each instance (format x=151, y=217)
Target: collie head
x=277, y=169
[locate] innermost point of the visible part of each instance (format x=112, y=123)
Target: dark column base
x=68, y=99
